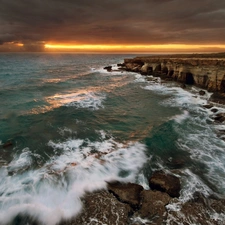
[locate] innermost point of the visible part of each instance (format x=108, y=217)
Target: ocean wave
x=53, y=192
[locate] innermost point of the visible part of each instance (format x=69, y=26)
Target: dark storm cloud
x=113, y=21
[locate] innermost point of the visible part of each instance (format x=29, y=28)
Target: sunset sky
x=112, y=25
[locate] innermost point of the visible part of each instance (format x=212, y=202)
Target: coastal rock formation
x=200, y=210
x=115, y=207
x=206, y=71
x=165, y=183
x=102, y=208
x=153, y=206
x=127, y=193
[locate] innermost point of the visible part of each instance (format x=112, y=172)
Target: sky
x=112, y=25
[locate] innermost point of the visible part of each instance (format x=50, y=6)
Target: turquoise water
x=73, y=126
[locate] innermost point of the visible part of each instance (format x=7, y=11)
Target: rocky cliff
x=203, y=70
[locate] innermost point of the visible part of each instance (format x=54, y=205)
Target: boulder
x=214, y=110
x=108, y=68
x=220, y=117
x=101, y=208
x=201, y=92
x=208, y=106
x=166, y=183
x=126, y=192
x=153, y=206
x=121, y=64
x=7, y=144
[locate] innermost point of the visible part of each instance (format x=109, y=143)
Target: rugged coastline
x=128, y=203
x=203, y=70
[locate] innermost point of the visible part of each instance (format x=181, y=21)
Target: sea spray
x=53, y=192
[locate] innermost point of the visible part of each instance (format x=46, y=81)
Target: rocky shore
x=203, y=70
x=129, y=203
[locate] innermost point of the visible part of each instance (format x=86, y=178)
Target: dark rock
x=201, y=92
x=127, y=193
x=121, y=64
x=23, y=219
x=168, y=79
x=214, y=110
x=153, y=206
x=144, y=73
x=101, y=208
x=220, y=117
x=166, y=183
x=158, y=68
x=108, y=68
x=183, y=86
x=209, y=106
x=218, y=98
x=7, y=144
x=176, y=163
x=122, y=68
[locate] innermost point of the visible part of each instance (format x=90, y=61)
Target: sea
x=67, y=126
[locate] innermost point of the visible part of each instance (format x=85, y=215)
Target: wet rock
x=153, y=206
x=218, y=98
x=166, y=183
x=7, y=144
x=153, y=79
x=143, y=73
x=101, y=208
x=120, y=64
x=201, y=92
x=127, y=193
x=199, y=210
x=209, y=106
x=183, y=86
x=176, y=163
x=108, y=68
x=214, y=110
x=220, y=117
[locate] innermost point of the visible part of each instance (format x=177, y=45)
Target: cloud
x=113, y=21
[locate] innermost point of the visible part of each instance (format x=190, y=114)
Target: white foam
x=178, y=97
x=181, y=117
x=139, y=78
x=115, y=71
x=53, y=192
x=21, y=162
x=191, y=184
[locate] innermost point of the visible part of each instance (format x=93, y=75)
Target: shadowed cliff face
x=206, y=71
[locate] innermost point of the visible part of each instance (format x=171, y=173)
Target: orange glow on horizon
x=20, y=44
x=141, y=47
